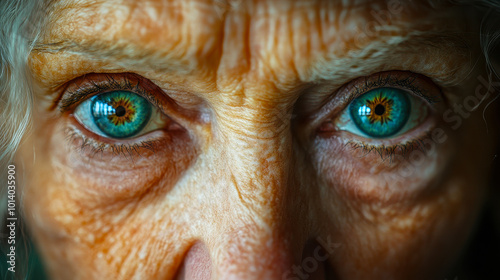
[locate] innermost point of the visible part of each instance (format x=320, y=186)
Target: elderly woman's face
x=255, y=139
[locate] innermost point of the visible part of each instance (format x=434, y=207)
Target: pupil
x=120, y=111
x=379, y=109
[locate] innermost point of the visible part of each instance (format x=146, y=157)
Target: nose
x=198, y=265
x=256, y=196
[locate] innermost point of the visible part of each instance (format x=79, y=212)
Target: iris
x=120, y=114
x=381, y=112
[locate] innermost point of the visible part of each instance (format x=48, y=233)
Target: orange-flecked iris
x=380, y=109
x=120, y=114
x=124, y=111
x=381, y=112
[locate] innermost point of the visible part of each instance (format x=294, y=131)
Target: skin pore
x=250, y=174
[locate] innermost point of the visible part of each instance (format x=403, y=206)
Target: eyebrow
x=412, y=44
x=129, y=54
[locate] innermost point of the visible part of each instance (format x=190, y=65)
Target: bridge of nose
x=257, y=233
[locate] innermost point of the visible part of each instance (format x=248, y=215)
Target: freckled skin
x=246, y=183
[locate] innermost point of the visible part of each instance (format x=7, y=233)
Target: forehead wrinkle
x=297, y=45
x=450, y=52
x=180, y=32
x=286, y=40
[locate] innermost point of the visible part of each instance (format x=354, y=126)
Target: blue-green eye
x=120, y=114
x=117, y=114
x=383, y=113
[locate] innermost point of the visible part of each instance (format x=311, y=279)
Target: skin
x=250, y=179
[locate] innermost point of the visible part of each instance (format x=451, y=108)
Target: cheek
x=423, y=240
x=89, y=206
x=418, y=240
x=393, y=223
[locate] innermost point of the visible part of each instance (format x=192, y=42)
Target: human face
x=252, y=172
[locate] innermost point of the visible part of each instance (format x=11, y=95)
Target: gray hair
x=17, y=31
x=16, y=97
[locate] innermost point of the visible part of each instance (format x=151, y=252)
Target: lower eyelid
x=157, y=144
x=381, y=149
x=401, y=139
x=75, y=126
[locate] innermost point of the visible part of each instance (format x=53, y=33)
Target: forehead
x=220, y=40
x=204, y=15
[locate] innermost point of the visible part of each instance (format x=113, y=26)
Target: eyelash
x=110, y=84
x=406, y=83
x=129, y=151
x=390, y=152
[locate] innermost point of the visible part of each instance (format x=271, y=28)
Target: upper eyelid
x=73, y=94
x=389, y=79
x=403, y=83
